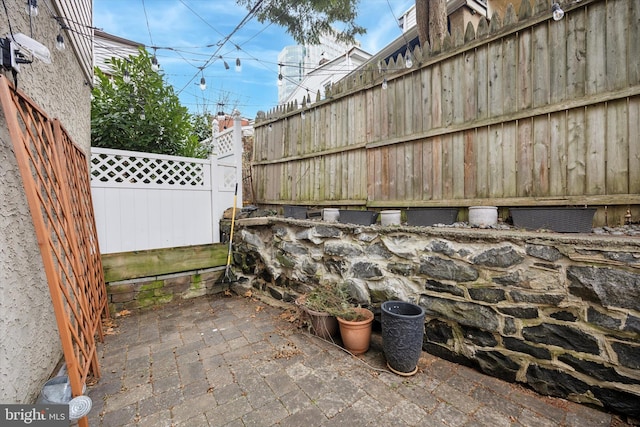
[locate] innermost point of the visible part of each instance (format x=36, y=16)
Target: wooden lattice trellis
x=56, y=181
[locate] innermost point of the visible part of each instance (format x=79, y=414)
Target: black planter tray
x=430, y=216
x=562, y=220
x=297, y=212
x=348, y=216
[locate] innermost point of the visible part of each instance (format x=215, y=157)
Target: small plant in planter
x=355, y=329
x=322, y=305
x=330, y=302
x=354, y=323
x=327, y=297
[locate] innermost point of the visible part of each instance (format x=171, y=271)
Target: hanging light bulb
x=557, y=12
x=203, y=83
x=131, y=109
x=302, y=115
x=126, y=77
x=384, y=84
x=32, y=7
x=238, y=65
x=279, y=79
x=60, y=42
x=142, y=115
x=270, y=127
x=155, y=66
x=226, y=66
x=408, y=62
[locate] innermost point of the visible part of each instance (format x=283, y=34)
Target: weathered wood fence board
x=157, y=262
x=522, y=111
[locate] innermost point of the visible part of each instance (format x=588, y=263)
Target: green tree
x=306, y=20
x=201, y=126
x=143, y=114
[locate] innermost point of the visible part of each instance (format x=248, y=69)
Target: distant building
x=329, y=72
x=107, y=46
x=459, y=12
x=298, y=61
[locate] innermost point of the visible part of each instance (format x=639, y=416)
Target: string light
x=384, y=84
x=238, y=63
x=557, y=12
x=408, y=62
x=60, y=42
x=155, y=66
x=32, y=8
x=126, y=77
x=279, y=74
x=203, y=82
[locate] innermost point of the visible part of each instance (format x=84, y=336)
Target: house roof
x=329, y=70
x=107, y=46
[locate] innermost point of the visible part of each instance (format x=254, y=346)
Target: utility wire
x=146, y=17
x=222, y=43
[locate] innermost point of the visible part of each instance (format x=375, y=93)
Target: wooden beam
x=155, y=262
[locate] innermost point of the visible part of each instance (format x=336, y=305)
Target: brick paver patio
x=234, y=361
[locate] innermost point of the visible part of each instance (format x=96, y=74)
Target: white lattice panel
x=229, y=176
x=224, y=143
x=128, y=169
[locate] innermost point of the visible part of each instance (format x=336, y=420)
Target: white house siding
x=29, y=344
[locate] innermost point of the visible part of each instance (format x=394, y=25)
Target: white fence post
x=214, y=180
x=237, y=152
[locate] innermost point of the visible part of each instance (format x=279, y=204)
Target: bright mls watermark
x=34, y=415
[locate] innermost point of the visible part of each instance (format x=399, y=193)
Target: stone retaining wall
x=558, y=312
x=147, y=292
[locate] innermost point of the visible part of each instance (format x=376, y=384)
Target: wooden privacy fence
x=56, y=182
x=522, y=111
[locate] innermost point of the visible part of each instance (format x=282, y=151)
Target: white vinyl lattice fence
x=107, y=166
x=148, y=201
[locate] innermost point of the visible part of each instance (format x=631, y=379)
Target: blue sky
x=192, y=29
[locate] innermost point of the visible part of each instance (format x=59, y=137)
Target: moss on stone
x=152, y=285
x=285, y=261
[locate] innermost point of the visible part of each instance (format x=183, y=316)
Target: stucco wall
x=557, y=312
x=29, y=343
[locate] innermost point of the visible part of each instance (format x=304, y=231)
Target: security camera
x=36, y=48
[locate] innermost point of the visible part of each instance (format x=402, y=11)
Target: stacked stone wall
x=149, y=292
x=558, y=312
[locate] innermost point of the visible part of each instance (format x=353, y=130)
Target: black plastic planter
x=349, y=216
x=402, y=334
x=560, y=219
x=296, y=212
x=429, y=216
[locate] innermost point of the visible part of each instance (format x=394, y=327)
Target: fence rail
x=524, y=110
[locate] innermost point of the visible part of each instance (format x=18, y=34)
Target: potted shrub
x=321, y=306
x=355, y=329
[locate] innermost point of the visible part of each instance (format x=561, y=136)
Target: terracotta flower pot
x=356, y=335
